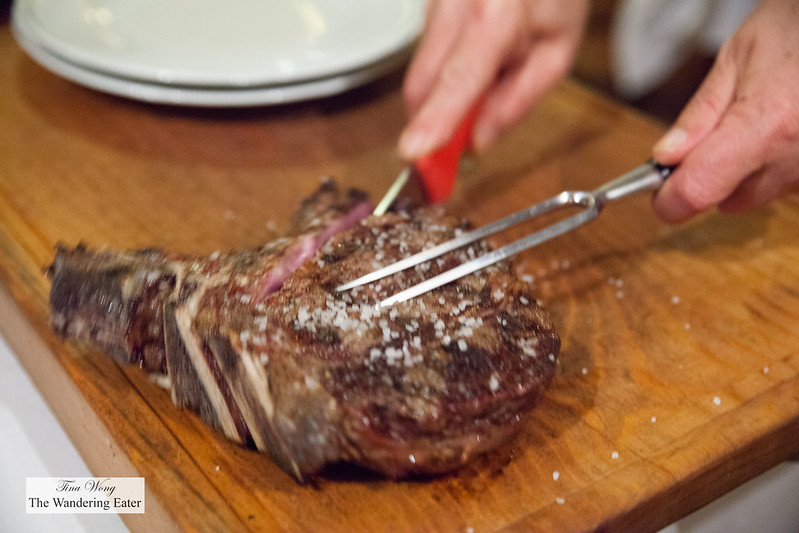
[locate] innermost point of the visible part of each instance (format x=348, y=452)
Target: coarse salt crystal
x=585, y=371
x=614, y=455
x=560, y=500
x=493, y=383
x=303, y=315
x=462, y=345
x=528, y=350
x=675, y=299
x=765, y=370
x=653, y=419
x=393, y=353
x=717, y=400
x=555, y=475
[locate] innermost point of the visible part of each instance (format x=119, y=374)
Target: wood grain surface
x=679, y=376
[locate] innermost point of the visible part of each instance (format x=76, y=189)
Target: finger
x=513, y=96
x=472, y=66
x=700, y=116
x=714, y=168
x=443, y=26
x=762, y=188
x=753, y=192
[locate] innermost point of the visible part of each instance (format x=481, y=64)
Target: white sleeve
x=651, y=38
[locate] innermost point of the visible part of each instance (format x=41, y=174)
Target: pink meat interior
x=306, y=247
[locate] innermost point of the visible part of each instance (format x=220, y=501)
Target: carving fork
x=647, y=177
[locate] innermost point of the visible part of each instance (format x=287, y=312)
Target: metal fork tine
x=460, y=241
x=490, y=258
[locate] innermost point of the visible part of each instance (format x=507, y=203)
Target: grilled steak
x=260, y=345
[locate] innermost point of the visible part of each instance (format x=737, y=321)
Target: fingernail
x=672, y=140
x=413, y=145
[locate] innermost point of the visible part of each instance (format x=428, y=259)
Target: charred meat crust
x=312, y=376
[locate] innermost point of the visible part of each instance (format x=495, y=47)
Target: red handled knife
x=436, y=172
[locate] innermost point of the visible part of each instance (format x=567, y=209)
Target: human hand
x=506, y=53
x=737, y=140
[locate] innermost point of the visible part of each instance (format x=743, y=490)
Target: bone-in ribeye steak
x=260, y=345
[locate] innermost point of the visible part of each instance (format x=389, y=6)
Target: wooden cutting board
x=679, y=371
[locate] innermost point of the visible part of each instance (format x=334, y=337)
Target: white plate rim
x=406, y=34
x=206, y=97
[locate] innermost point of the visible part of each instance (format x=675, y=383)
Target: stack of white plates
x=218, y=53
